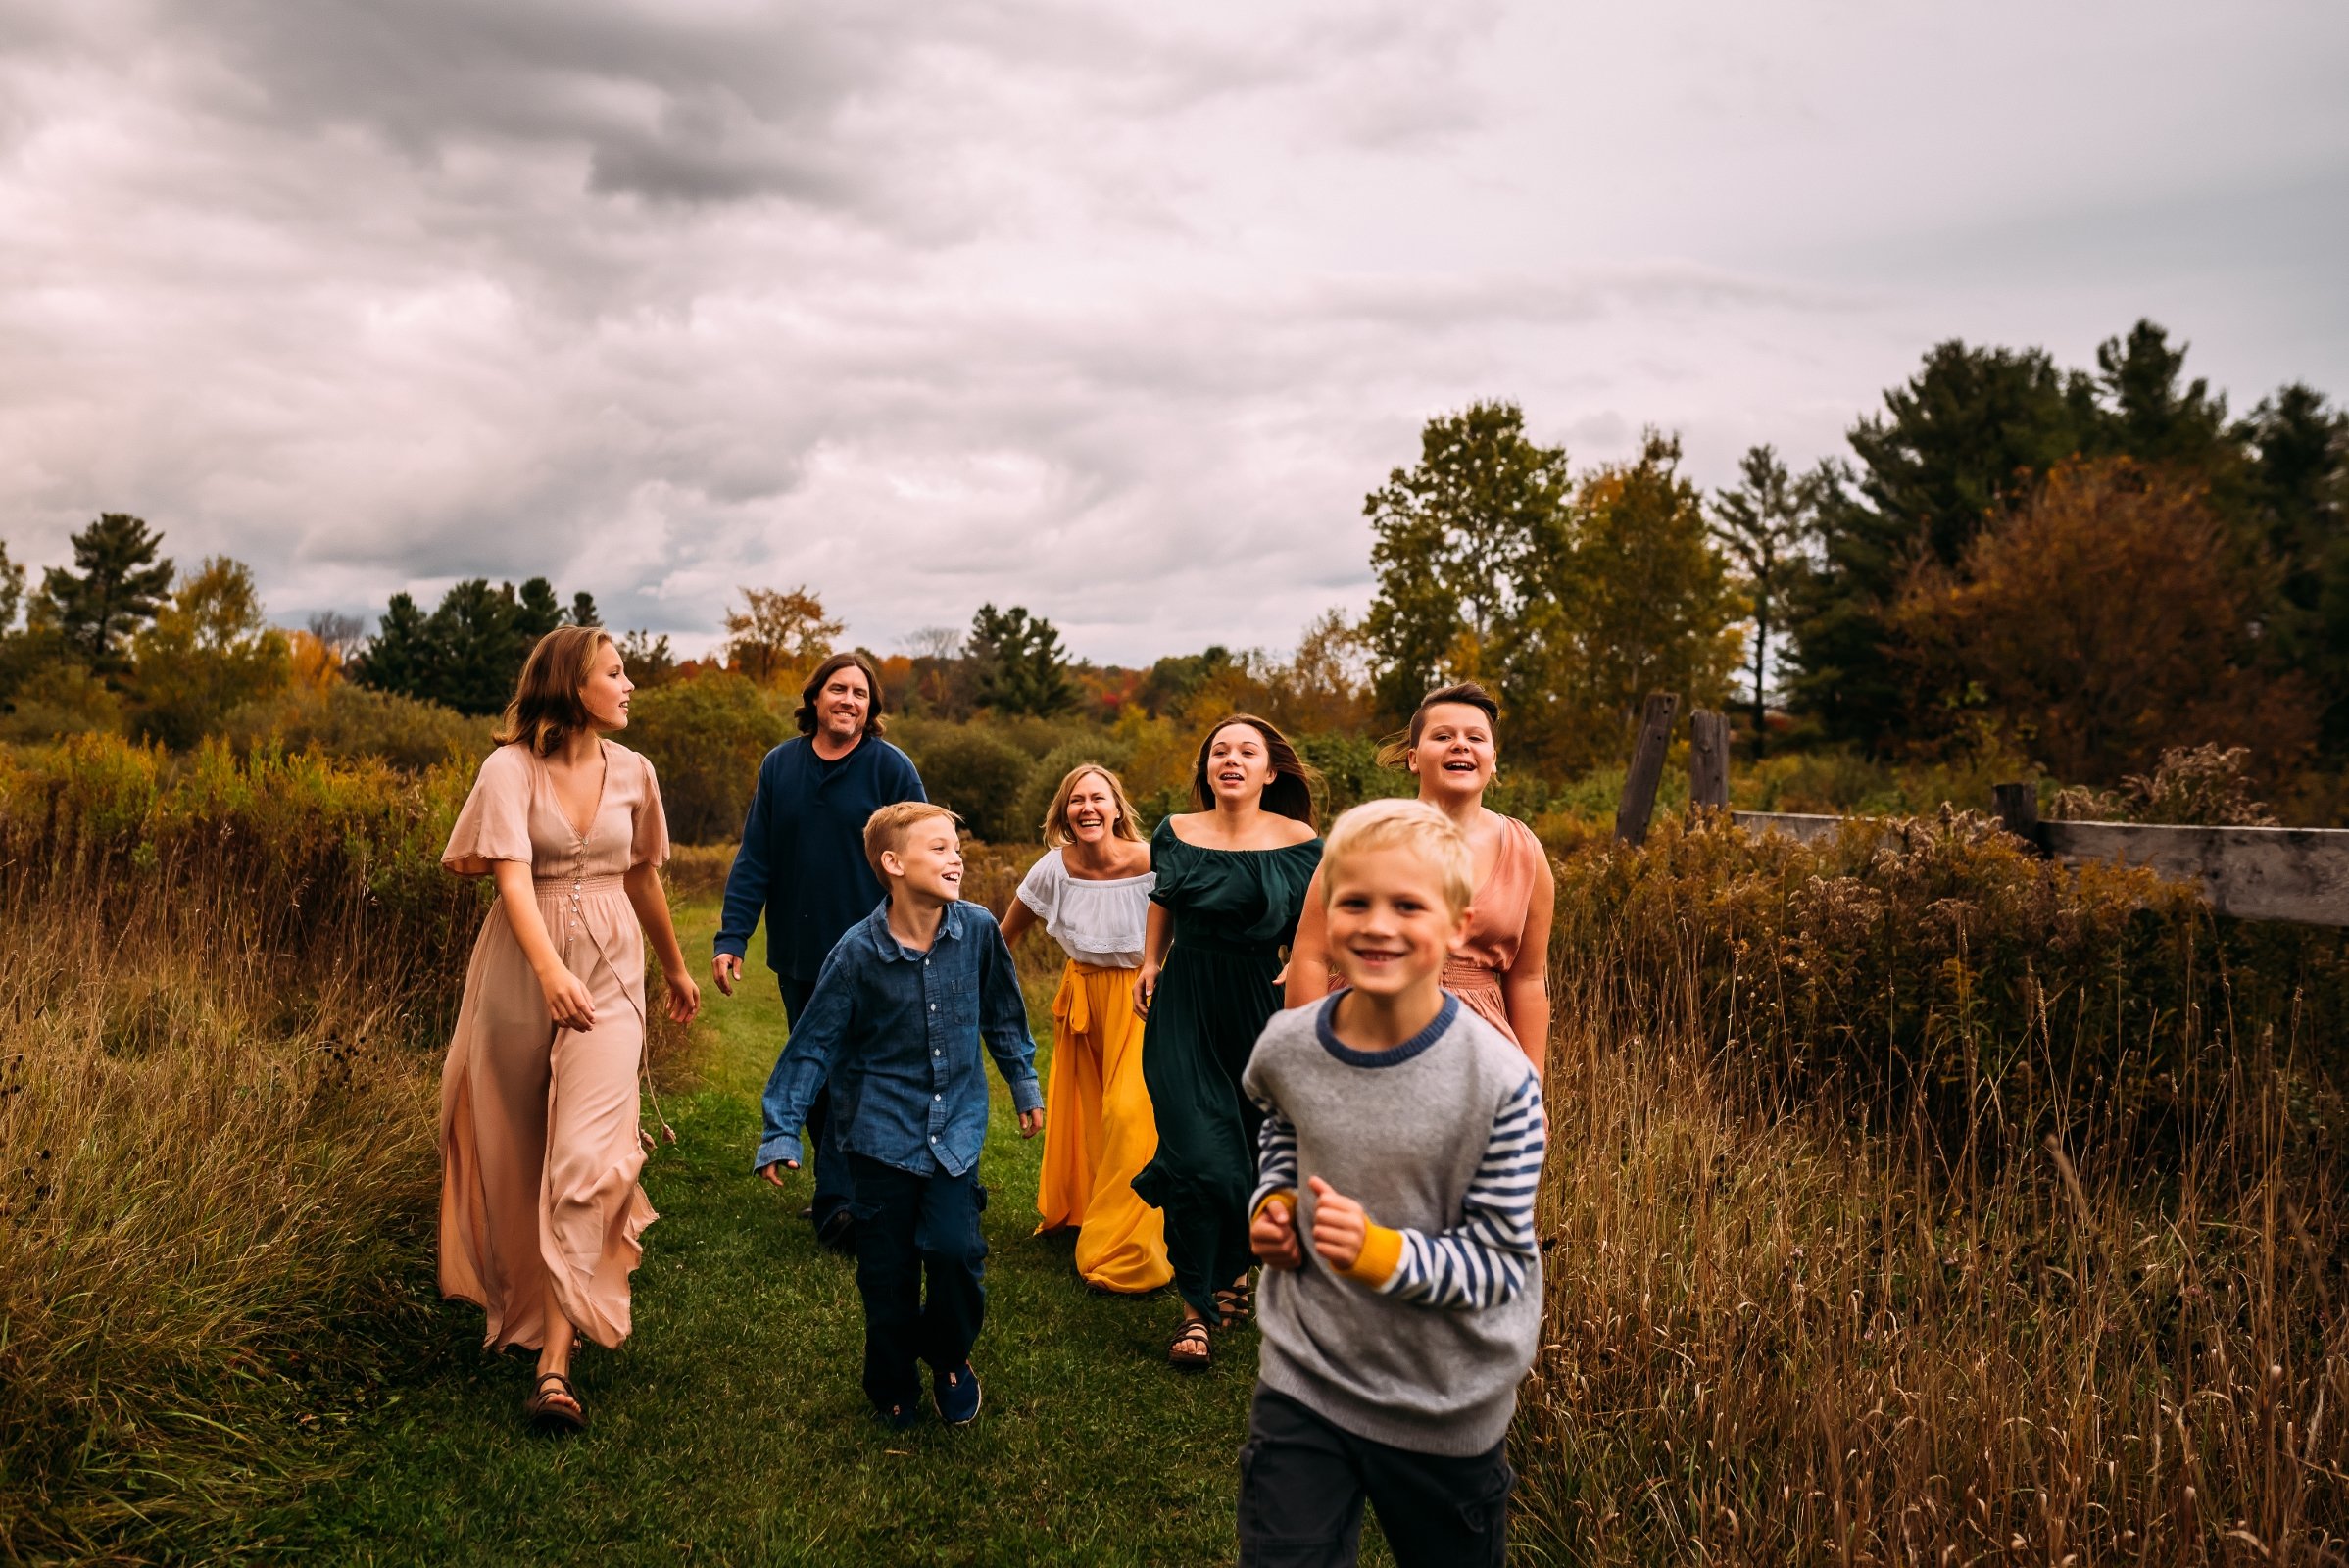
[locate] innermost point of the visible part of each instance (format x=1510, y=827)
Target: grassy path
x=730, y=1429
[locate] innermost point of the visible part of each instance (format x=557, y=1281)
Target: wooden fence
x=2255, y=873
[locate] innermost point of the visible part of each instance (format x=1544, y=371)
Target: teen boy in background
x=895, y=1023
x=1394, y=1215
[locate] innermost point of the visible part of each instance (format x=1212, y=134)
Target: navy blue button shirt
x=802, y=859
x=897, y=1033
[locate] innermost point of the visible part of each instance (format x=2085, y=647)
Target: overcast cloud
x=1113, y=311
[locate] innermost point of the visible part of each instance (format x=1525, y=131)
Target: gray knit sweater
x=1422, y=1344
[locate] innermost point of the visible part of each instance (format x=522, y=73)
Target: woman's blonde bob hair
x=546, y=710
x=1056, y=831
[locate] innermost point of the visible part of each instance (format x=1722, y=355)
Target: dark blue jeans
x=909, y=1226
x=1304, y=1481
x=834, y=1187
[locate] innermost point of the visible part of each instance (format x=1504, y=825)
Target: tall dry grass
x=1802, y=1311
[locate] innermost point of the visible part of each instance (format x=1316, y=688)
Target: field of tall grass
x=1911, y=1199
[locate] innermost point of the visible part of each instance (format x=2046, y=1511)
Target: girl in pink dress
x=539, y=1131
x=1501, y=971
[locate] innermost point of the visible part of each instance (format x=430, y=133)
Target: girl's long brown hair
x=546, y=710
x=1288, y=793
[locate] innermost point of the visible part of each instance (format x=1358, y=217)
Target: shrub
x=706, y=738
x=980, y=779
x=1936, y=969
x=353, y=723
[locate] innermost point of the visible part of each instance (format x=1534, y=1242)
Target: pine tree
x=116, y=587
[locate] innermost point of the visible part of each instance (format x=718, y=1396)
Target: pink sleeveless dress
x=1497, y=931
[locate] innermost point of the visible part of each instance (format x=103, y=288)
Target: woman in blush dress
x=539, y=1130
x=1231, y=877
x=1503, y=970
x=1091, y=890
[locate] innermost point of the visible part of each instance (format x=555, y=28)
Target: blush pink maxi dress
x=539, y=1125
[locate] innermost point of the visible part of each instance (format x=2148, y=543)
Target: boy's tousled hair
x=1056, y=831
x=1395, y=749
x=886, y=829
x=1412, y=825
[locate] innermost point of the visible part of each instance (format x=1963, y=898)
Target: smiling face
x=928, y=858
x=1092, y=809
x=1456, y=754
x=1389, y=925
x=605, y=692
x=842, y=704
x=1239, y=765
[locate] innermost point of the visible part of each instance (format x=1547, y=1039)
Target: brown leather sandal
x=1236, y=1304
x=542, y=1407
x=1191, y=1349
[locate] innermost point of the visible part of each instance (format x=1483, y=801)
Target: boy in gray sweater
x=1402, y=1284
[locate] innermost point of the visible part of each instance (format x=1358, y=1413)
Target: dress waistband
x=1464, y=974
x=1198, y=943
x=579, y=884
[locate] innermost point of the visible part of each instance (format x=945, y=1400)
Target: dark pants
x=1302, y=1482
x=909, y=1226
x=834, y=1187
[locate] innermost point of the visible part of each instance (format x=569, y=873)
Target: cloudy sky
x=1113, y=311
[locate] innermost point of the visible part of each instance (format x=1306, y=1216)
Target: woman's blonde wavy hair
x=546, y=710
x=1055, y=819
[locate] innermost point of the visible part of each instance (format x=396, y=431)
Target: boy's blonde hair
x=1056, y=820
x=886, y=829
x=1412, y=825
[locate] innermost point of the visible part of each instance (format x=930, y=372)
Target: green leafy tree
x=115, y=586
x=1768, y=524
x=1456, y=538
x=706, y=738
x=12, y=591
x=1636, y=599
x=1017, y=662
x=208, y=651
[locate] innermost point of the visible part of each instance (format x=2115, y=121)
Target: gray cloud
x=1115, y=312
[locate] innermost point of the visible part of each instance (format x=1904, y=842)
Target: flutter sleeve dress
x=1100, y=1132
x=1232, y=911
x=539, y=1125
x=1503, y=905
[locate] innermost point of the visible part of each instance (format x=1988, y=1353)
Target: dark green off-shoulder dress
x=1234, y=910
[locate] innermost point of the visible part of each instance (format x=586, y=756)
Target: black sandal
x=1236, y=1304
x=1193, y=1332
x=542, y=1409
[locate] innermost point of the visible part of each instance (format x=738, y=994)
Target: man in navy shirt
x=803, y=862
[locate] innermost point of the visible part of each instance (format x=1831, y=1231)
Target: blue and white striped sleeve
x=1276, y=1159
x=1484, y=1260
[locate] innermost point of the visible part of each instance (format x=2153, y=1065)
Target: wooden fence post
x=2016, y=808
x=1648, y=768
x=1708, y=761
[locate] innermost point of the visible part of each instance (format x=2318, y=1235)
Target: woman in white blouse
x=1091, y=892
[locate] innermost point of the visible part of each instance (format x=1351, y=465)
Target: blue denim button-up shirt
x=898, y=1033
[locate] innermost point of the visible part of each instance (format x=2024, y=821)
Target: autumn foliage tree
x=2105, y=617
x=210, y=648
x=779, y=634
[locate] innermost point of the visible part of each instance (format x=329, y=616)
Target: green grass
x=731, y=1428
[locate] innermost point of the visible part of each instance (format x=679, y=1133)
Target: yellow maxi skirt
x=1098, y=1131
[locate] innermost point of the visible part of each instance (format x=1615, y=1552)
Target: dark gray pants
x=1302, y=1482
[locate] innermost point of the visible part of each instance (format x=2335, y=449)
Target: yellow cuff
x=1286, y=1196
x=1381, y=1256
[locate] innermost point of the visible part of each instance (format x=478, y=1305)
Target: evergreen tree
x=1767, y=523
x=583, y=610
x=2296, y=498
x=116, y=586
x=466, y=655
x=1017, y=662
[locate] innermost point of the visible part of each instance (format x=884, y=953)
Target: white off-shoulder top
x=1099, y=924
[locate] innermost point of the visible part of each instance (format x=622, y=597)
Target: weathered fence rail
x=2254, y=873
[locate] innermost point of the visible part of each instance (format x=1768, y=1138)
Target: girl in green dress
x=1232, y=876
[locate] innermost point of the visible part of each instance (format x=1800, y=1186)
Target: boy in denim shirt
x=895, y=1024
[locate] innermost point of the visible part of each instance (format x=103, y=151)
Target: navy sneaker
x=958, y=1395
x=899, y=1417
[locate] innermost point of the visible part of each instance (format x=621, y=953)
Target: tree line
x=2081, y=564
